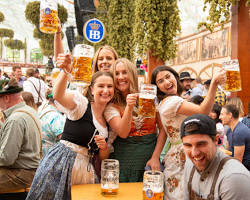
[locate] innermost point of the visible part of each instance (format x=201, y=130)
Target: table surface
x=127, y=191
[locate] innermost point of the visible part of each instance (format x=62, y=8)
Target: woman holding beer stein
x=72, y=160
x=136, y=136
x=173, y=110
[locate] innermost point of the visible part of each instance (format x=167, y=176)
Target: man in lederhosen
x=209, y=173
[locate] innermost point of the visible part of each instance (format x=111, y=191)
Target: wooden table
x=127, y=191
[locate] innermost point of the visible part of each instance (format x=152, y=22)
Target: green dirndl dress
x=133, y=153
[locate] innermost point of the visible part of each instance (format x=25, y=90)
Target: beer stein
x=233, y=82
x=153, y=185
x=82, y=59
x=147, y=97
x=110, y=177
x=55, y=72
x=48, y=16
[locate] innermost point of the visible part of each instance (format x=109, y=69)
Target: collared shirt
x=20, y=138
x=21, y=81
x=29, y=87
x=233, y=181
x=198, y=90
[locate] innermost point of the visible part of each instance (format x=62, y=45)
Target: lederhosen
x=193, y=195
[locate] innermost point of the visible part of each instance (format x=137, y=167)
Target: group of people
x=104, y=123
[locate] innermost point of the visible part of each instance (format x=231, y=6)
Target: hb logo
x=94, y=34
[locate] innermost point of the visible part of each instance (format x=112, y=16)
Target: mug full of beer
x=153, y=185
x=233, y=82
x=110, y=177
x=48, y=16
x=82, y=59
x=147, y=97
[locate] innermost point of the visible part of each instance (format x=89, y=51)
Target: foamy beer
x=233, y=82
x=48, y=16
x=82, y=59
x=147, y=97
x=109, y=177
x=153, y=185
x=55, y=72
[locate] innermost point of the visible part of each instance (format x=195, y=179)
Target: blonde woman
x=136, y=136
x=104, y=57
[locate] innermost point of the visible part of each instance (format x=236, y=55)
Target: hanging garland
x=1, y=17
x=157, y=23
x=219, y=12
x=14, y=44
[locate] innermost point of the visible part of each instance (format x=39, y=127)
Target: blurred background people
x=36, y=86
x=52, y=122
x=29, y=99
x=238, y=134
x=186, y=81
x=246, y=119
x=17, y=72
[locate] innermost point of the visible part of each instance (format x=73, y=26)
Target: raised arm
x=58, y=45
x=188, y=108
x=59, y=89
x=122, y=125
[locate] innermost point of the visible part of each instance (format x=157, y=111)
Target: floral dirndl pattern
x=174, y=159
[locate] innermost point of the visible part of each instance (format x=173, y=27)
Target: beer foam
x=109, y=186
x=146, y=96
x=154, y=189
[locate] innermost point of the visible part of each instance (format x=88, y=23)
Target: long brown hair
x=95, y=59
x=161, y=95
x=132, y=74
x=29, y=99
x=93, y=79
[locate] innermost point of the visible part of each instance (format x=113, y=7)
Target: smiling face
x=166, y=82
x=103, y=89
x=200, y=148
x=122, y=81
x=105, y=59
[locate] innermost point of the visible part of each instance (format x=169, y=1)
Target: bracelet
x=58, y=32
x=105, y=149
x=67, y=73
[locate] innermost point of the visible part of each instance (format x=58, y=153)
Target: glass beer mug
x=82, y=59
x=147, y=96
x=54, y=73
x=110, y=176
x=153, y=185
x=233, y=82
x=48, y=16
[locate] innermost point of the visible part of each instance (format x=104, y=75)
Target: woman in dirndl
x=173, y=109
x=74, y=160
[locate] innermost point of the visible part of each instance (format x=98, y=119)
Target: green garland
x=157, y=23
x=14, y=44
x=1, y=17
x=219, y=13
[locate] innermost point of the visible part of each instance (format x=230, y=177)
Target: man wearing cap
x=20, y=139
x=186, y=81
x=209, y=173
